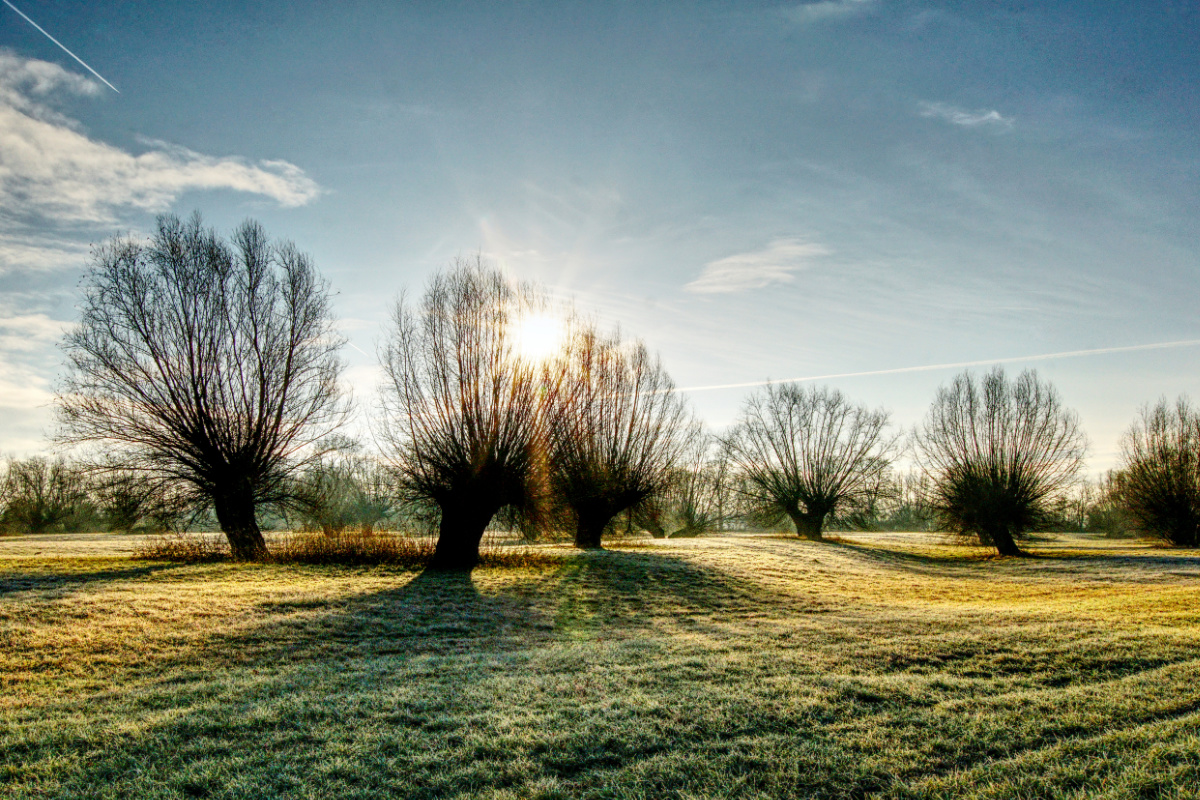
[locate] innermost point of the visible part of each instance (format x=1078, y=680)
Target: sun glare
x=538, y=337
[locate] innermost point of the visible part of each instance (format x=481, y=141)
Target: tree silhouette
x=1159, y=479
x=463, y=418
x=212, y=366
x=805, y=454
x=616, y=432
x=999, y=456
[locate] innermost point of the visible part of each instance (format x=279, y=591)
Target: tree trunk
x=808, y=526
x=589, y=529
x=1005, y=544
x=459, y=535
x=656, y=530
x=238, y=521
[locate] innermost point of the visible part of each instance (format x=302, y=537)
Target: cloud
x=773, y=264
x=23, y=252
x=27, y=339
x=984, y=120
x=826, y=9
x=28, y=333
x=52, y=170
x=23, y=79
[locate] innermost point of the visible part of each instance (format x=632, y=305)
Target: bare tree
x=127, y=501
x=904, y=505
x=463, y=413
x=39, y=495
x=805, y=454
x=616, y=433
x=1109, y=512
x=1159, y=480
x=695, y=500
x=999, y=456
x=346, y=488
x=211, y=366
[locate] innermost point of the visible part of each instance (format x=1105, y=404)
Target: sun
x=538, y=337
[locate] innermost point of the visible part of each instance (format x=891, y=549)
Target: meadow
x=732, y=666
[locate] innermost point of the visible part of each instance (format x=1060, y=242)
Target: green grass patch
x=731, y=666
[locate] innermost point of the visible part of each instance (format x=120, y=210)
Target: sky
x=759, y=190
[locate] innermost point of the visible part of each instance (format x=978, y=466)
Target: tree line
x=205, y=374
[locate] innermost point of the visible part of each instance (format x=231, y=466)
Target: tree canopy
x=210, y=365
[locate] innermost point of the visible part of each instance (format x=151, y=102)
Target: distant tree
x=1159, y=479
x=696, y=499
x=805, y=454
x=345, y=489
x=616, y=433
x=127, y=501
x=38, y=495
x=903, y=503
x=211, y=367
x=463, y=420
x=999, y=456
x=1108, y=513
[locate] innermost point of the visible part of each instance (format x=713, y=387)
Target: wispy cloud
x=773, y=264
x=52, y=170
x=821, y=10
x=982, y=119
x=26, y=345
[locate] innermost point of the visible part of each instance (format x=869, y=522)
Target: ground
x=742, y=666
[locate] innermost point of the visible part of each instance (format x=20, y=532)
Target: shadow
x=17, y=582
x=969, y=559
x=1078, y=560
x=604, y=593
x=635, y=590
x=435, y=612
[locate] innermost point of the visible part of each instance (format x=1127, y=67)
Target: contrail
x=60, y=44
x=956, y=365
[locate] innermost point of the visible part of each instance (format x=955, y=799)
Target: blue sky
x=759, y=190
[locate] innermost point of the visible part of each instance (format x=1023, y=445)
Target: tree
x=39, y=495
x=127, y=501
x=999, y=456
x=463, y=413
x=212, y=367
x=616, y=433
x=1159, y=479
x=903, y=505
x=344, y=489
x=1109, y=512
x=694, y=500
x=806, y=454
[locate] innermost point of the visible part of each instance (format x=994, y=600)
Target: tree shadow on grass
x=442, y=613
x=1065, y=561
x=12, y=582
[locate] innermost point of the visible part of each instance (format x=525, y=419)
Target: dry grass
x=732, y=666
x=345, y=548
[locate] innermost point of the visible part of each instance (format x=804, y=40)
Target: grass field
x=734, y=666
